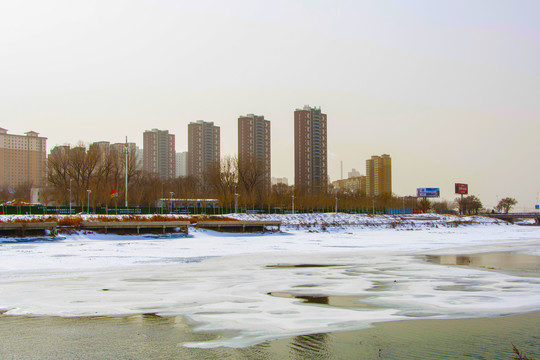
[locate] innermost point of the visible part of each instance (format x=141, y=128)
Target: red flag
x=114, y=193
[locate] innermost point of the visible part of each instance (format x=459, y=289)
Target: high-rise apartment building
x=22, y=159
x=203, y=147
x=310, y=153
x=379, y=175
x=254, y=145
x=159, y=153
x=181, y=164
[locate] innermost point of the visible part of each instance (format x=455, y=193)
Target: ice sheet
x=230, y=281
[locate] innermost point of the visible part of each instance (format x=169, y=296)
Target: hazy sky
x=450, y=89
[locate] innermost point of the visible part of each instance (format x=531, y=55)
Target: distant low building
x=60, y=149
x=283, y=180
x=354, y=173
x=105, y=149
x=355, y=184
x=102, y=148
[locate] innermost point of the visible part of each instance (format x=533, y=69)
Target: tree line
x=79, y=175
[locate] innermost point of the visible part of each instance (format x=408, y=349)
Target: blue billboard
x=428, y=192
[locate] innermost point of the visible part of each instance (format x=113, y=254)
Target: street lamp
x=336, y=204
x=236, y=203
x=127, y=152
x=171, y=193
x=162, y=197
x=293, y=204
x=88, y=202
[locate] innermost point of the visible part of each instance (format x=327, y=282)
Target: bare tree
x=424, y=204
x=251, y=181
x=441, y=205
x=228, y=180
x=506, y=204
x=58, y=175
x=469, y=205
x=281, y=195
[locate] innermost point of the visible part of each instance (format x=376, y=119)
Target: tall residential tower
x=159, y=153
x=203, y=148
x=310, y=154
x=379, y=175
x=254, y=145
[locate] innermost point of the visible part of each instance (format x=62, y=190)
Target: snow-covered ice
x=365, y=270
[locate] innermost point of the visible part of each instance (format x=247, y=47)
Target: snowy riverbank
x=322, y=272
x=295, y=221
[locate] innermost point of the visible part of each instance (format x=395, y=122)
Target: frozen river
x=264, y=286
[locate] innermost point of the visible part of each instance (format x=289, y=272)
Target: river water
x=354, y=293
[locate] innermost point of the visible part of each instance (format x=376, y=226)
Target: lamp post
x=336, y=204
x=292, y=204
x=161, y=197
x=127, y=151
x=171, y=193
x=70, y=180
x=236, y=203
x=88, y=202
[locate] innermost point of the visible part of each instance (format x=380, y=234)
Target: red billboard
x=462, y=189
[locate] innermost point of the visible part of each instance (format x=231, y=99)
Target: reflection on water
x=287, y=266
x=31, y=239
x=150, y=336
x=506, y=261
x=339, y=301
x=310, y=346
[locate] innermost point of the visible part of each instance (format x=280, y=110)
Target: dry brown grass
x=196, y=218
x=520, y=355
x=32, y=220
x=76, y=220
x=192, y=219
x=73, y=221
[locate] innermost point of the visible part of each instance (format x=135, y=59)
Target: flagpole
x=126, y=173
